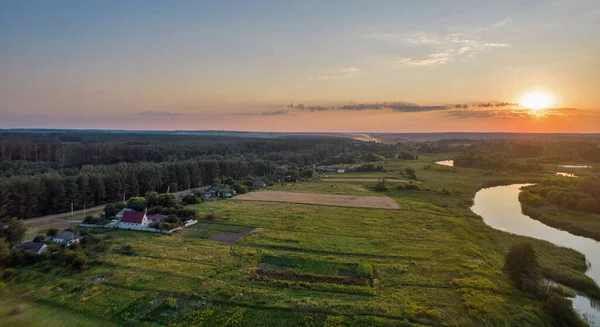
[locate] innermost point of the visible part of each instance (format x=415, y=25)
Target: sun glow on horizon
x=537, y=100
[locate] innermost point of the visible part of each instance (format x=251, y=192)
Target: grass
x=433, y=263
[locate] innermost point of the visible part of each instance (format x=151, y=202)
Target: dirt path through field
x=378, y=202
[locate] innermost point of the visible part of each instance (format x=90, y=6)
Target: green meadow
x=431, y=263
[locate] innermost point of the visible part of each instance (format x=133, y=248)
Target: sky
x=314, y=66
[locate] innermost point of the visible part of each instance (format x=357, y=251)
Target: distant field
x=321, y=199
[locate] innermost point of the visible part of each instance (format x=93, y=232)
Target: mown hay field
x=375, y=202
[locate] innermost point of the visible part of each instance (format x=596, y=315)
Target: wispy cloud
x=432, y=59
x=493, y=109
x=276, y=112
x=398, y=106
x=337, y=74
x=161, y=113
x=449, y=47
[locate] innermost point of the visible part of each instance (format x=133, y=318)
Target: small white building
x=133, y=220
x=341, y=170
x=67, y=238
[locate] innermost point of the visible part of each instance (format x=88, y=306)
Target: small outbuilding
x=37, y=247
x=67, y=238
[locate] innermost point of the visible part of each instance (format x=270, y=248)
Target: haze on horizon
x=330, y=66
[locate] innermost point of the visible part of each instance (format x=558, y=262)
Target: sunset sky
x=326, y=65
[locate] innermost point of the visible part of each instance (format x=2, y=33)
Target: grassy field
x=432, y=263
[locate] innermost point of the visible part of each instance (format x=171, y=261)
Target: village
x=156, y=213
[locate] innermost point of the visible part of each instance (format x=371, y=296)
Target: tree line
x=579, y=194
x=34, y=188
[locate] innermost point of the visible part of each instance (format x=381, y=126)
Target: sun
x=537, y=100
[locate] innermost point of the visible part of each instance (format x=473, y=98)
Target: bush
x=77, y=259
x=381, y=186
x=444, y=191
x=172, y=219
x=127, y=249
x=185, y=213
x=240, y=189
x=190, y=199
x=560, y=311
x=111, y=210
x=412, y=186
x=52, y=232
x=168, y=200
x=39, y=238
x=364, y=270
x=410, y=173
x=137, y=203
x=210, y=216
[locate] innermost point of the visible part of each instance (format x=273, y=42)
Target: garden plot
x=230, y=237
x=377, y=202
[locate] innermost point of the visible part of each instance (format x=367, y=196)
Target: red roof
x=135, y=217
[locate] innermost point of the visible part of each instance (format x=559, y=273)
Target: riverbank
x=581, y=224
x=500, y=208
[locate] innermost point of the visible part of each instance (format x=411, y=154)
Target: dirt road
x=44, y=219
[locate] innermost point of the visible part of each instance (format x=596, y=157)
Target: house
x=37, y=247
x=157, y=217
x=133, y=220
x=226, y=192
x=67, y=238
x=122, y=212
x=259, y=183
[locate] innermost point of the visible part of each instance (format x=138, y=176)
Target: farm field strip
x=321, y=199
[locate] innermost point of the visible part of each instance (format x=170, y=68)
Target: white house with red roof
x=133, y=220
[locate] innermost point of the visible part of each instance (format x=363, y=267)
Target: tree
x=561, y=311
x=12, y=230
x=308, y=173
x=137, y=203
x=249, y=181
x=190, y=199
x=522, y=268
x=4, y=202
x=39, y=238
x=381, y=186
x=410, y=172
x=151, y=198
x=167, y=200
x=4, y=251
x=239, y=188
x=51, y=232
x=111, y=210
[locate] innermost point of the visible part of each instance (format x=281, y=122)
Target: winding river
x=500, y=208
x=449, y=163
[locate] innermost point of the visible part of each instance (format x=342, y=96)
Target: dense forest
x=579, y=194
x=523, y=155
x=44, y=173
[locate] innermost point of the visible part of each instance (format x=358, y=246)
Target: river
x=449, y=163
x=500, y=208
